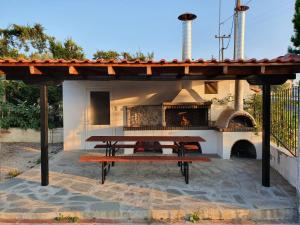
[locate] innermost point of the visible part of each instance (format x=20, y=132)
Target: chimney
x=239, y=53
x=187, y=19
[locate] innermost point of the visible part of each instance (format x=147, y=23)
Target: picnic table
x=112, y=143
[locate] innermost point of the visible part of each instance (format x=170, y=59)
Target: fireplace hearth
x=169, y=116
x=186, y=115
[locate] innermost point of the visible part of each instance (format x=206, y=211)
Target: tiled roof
x=290, y=58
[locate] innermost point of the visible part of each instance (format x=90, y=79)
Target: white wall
x=122, y=93
x=30, y=135
x=228, y=139
x=285, y=164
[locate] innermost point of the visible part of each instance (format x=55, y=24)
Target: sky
x=152, y=26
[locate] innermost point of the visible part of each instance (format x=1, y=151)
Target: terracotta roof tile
x=264, y=61
x=289, y=58
x=200, y=61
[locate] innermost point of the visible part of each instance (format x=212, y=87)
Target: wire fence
x=285, y=111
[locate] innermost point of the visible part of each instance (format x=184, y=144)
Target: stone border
x=146, y=215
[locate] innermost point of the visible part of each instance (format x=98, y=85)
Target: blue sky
x=152, y=26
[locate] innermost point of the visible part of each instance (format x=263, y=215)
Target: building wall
x=285, y=164
x=228, y=139
x=123, y=93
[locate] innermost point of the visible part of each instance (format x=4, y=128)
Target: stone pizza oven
x=232, y=120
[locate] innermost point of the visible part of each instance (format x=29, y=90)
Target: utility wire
x=230, y=35
x=228, y=18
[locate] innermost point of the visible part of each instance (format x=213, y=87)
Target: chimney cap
x=242, y=8
x=187, y=16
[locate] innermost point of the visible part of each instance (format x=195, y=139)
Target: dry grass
x=13, y=173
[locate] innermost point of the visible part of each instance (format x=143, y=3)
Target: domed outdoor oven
x=232, y=120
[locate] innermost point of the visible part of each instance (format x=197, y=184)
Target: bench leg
x=113, y=154
x=186, y=172
x=103, y=170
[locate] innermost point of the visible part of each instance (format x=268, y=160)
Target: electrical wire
x=228, y=18
x=230, y=35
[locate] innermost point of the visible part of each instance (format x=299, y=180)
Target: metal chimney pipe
x=241, y=20
x=187, y=19
x=239, y=52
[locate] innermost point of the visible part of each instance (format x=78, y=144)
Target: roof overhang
x=35, y=71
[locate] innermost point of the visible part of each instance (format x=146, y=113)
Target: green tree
x=18, y=101
x=17, y=40
x=66, y=50
x=296, y=37
x=123, y=55
x=106, y=55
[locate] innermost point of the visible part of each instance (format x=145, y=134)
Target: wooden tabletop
x=146, y=138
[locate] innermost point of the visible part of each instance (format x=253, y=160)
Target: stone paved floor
x=143, y=190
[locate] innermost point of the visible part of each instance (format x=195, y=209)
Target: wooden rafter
x=73, y=70
x=35, y=71
x=111, y=71
x=171, y=70
x=149, y=71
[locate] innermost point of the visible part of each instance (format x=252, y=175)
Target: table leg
x=113, y=154
x=182, y=154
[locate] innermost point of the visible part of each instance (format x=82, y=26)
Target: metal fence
x=284, y=116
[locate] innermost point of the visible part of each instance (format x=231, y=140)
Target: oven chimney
x=239, y=53
x=187, y=19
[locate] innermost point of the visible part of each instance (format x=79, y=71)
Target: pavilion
x=52, y=72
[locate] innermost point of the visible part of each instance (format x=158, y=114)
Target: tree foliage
x=296, y=37
x=19, y=102
x=123, y=55
x=66, y=50
x=16, y=40
x=284, y=115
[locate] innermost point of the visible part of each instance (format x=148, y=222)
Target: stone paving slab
x=221, y=189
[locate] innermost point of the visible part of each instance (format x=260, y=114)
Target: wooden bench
x=132, y=146
x=106, y=160
x=110, y=150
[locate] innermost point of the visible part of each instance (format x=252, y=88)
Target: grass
x=13, y=173
x=192, y=217
x=38, y=161
x=68, y=219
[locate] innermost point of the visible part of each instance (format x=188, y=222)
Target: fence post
x=298, y=148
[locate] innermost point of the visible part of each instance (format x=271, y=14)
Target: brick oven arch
x=243, y=149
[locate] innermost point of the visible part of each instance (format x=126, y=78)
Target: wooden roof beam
x=262, y=69
x=225, y=69
x=35, y=71
x=149, y=71
x=73, y=70
x=186, y=70
x=111, y=71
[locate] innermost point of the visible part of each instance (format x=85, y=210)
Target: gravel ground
x=21, y=157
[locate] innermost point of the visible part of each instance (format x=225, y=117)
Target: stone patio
x=221, y=189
